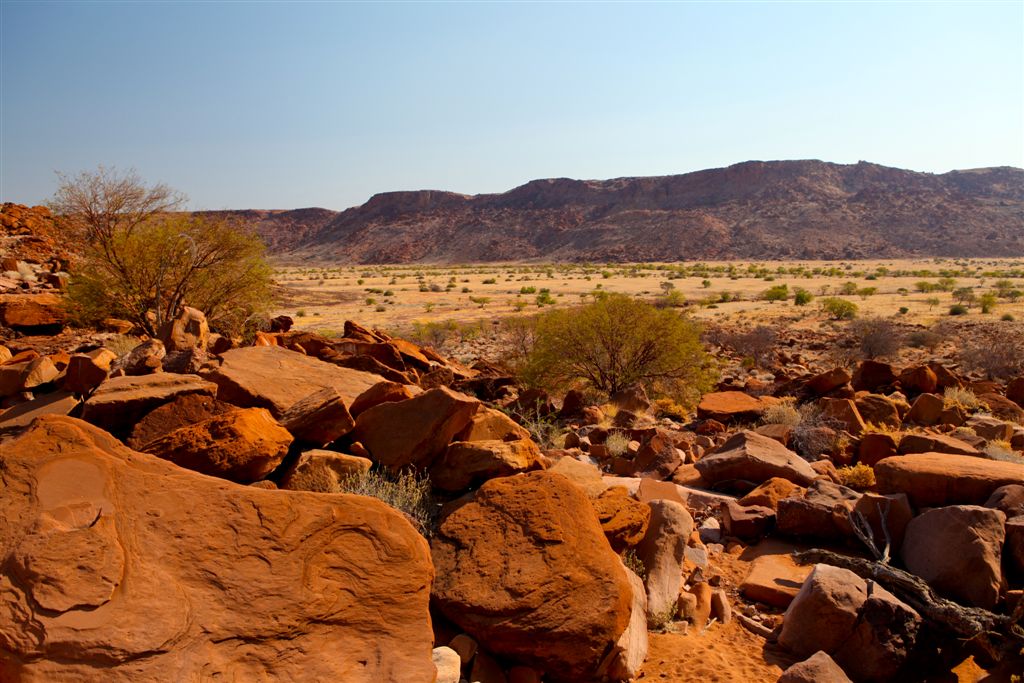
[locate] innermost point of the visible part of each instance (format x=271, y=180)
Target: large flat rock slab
x=118, y=566
x=935, y=479
x=120, y=402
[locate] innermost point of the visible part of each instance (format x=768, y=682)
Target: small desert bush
x=994, y=350
x=408, y=492
x=783, y=413
x=873, y=428
x=1001, y=450
x=925, y=339
x=838, y=309
x=858, y=477
x=810, y=439
x=666, y=407
x=955, y=397
x=634, y=563
x=617, y=444
x=876, y=337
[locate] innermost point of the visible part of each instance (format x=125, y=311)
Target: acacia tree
x=618, y=341
x=142, y=259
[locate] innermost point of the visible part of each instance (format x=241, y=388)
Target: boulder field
x=364, y=509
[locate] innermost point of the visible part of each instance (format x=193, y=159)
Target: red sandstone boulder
x=872, y=375
x=470, y=463
x=323, y=471
x=122, y=567
x=26, y=375
x=926, y=410
x=957, y=550
x=86, y=371
x=936, y=443
x=416, y=431
x=919, y=380
x=935, y=479
x=525, y=569
x=749, y=459
x=726, y=406
x=381, y=392
x=488, y=424
x=774, y=580
x=818, y=668
x=624, y=520
x=119, y=403
x=827, y=381
x=244, y=445
x=188, y=331
x=184, y=410
x=28, y=311
x=869, y=636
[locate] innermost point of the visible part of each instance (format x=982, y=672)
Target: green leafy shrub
x=615, y=342
x=839, y=309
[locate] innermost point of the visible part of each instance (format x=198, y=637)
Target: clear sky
x=286, y=105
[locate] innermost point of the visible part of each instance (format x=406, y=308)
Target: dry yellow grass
x=322, y=296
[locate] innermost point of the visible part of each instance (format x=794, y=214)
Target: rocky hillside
x=280, y=230
x=777, y=209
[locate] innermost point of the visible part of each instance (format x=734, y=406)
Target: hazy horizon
x=281, y=106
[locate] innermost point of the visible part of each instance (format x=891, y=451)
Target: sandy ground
x=322, y=297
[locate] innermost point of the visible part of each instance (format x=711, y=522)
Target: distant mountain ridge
x=753, y=210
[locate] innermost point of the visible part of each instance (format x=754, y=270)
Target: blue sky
x=285, y=105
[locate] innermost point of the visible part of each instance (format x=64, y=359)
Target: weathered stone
x=935, y=479
x=770, y=493
x=747, y=522
x=32, y=311
x=320, y=470
x=122, y=567
x=919, y=380
x=623, y=519
x=821, y=512
x=844, y=412
x=876, y=446
x=868, y=636
x=774, y=580
x=780, y=432
x=624, y=661
x=189, y=330
x=957, y=550
x=470, y=463
x=662, y=550
x=179, y=412
x=21, y=415
x=726, y=406
x=243, y=445
x=448, y=664
x=428, y=424
x=275, y=378
x=539, y=531
x=818, y=668
x=120, y=402
x=26, y=375
x=751, y=459
x=990, y=428
x=145, y=359
x=1009, y=499
x=827, y=381
x=86, y=371
x=488, y=424
x=878, y=410
x=584, y=475
x=1002, y=407
x=382, y=392
x=926, y=410
x=872, y=375
x=936, y=443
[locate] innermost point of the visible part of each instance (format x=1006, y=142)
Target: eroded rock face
x=469, y=463
x=243, y=445
x=934, y=479
x=957, y=550
x=725, y=406
x=119, y=403
x=118, y=566
x=750, y=459
x=869, y=635
x=522, y=567
x=416, y=431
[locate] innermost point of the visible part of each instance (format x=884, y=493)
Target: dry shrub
x=955, y=397
x=121, y=344
x=757, y=343
x=408, y=492
x=617, y=444
x=876, y=337
x=782, y=413
x=994, y=349
x=666, y=407
x=1002, y=450
x=816, y=434
x=858, y=477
